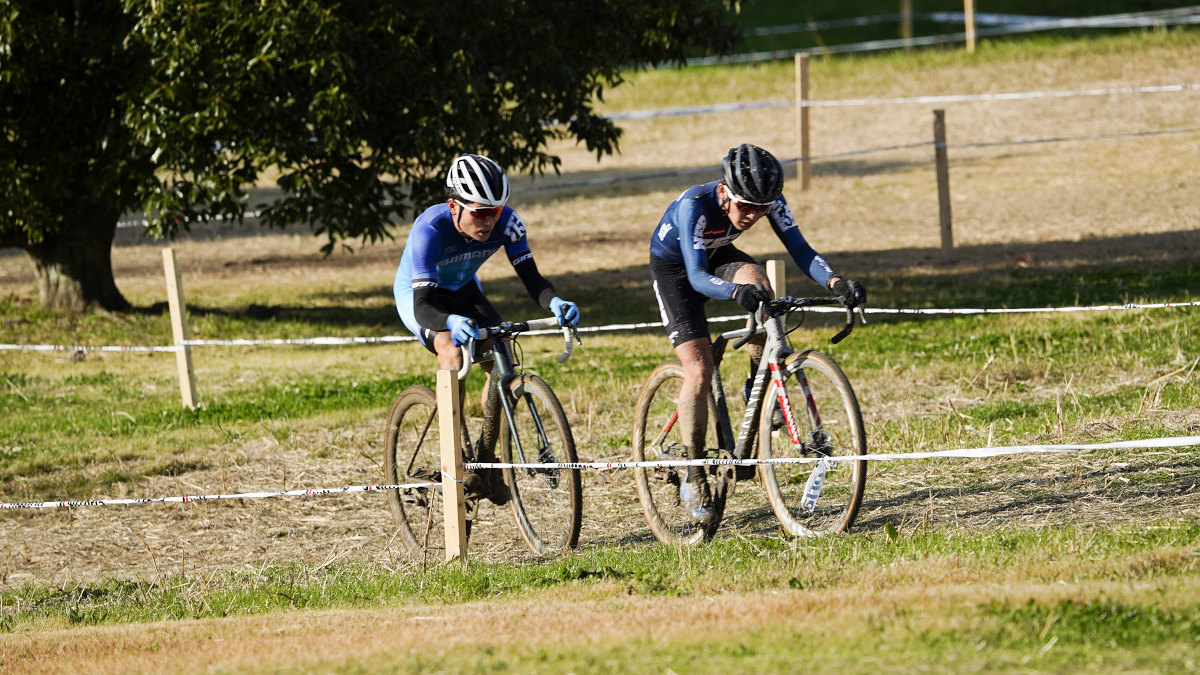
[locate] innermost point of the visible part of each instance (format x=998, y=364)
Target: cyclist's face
x=741, y=214
x=475, y=221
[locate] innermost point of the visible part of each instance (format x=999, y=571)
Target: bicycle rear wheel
x=828, y=425
x=412, y=454
x=547, y=503
x=656, y=437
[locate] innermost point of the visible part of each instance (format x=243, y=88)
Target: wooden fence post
x=805, y=169
x=454, y=509
x=943, y=179
x=777, y=276
x=969, y=21
x=906, y=24
x=179, y=329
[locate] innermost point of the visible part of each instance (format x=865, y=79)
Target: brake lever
x=751, y=328
x=841, y=335
x=468, y=352
x=862, y=314
x=568, y=345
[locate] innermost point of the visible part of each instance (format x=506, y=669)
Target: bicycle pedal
x=472, y=483
x=415, y=497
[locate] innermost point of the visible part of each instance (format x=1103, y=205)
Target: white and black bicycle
x=800, y=405
x=525, y=416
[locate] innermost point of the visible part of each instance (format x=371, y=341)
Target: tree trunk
x=74, y=266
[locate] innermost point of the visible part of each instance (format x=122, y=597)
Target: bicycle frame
x=546, y=503
x=503, y=372
x=774, y=351
x=769, y=320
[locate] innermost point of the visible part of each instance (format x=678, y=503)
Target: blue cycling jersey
x=435, y=254
x=694, y=226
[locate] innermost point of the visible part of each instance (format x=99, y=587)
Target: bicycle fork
x=817, y=442
x=545, y=454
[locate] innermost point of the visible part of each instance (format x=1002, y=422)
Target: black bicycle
x=546, y=503
x=799, y=405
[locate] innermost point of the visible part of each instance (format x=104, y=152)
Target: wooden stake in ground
x=454, y=510
x=777, y=277
x=943, y=179
x=805, y=169
x=179, y=329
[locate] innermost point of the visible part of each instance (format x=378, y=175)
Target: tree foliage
x=175, y=107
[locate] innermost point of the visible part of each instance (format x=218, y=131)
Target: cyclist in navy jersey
x=438, y=295
x=693, y=259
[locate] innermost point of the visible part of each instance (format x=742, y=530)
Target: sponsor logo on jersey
x=718, y=242
x=698, y=233
x=469, y=255
x=424, y=283
x=522, y=258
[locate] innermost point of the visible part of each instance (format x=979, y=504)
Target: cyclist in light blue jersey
x=438, y=295
x=693, y=259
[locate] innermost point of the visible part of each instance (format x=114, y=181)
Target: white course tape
x=1157, y=19
x=299, y=341
x=582, y=329
x=1021, y=310
x=205, y=498
x=1175, y=442
x=84, y=348
x=1170, y=442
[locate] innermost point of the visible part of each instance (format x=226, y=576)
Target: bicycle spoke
x=821, y=496
x=658, y=487
x=547, y=503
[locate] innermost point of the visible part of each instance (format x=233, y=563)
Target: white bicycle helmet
x=475, y=178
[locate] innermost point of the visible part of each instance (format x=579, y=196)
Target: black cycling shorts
x=681, y=306
x=469, y=301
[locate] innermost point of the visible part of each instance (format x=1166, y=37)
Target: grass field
x=1079, y=561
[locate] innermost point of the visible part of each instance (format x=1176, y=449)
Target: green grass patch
x=726, y=564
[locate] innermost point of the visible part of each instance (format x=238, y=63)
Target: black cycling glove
x=750, y=296
x=851, y=292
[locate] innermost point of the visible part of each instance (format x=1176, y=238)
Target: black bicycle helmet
x=753, y=174
x=475, y=178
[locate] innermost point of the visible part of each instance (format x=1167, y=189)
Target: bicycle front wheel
x=656, y=436
x=546, y=502
x=412, y=456
x=821, y=497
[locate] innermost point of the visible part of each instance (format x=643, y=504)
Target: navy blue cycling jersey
x=694, y=226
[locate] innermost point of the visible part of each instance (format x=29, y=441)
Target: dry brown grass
x=883, y=607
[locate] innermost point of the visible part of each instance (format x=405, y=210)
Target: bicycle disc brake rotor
x=819, y=443
x=546, y=456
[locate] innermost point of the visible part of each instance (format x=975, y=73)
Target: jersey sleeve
x=426, y=247
x=426, y=308
x=807, y=259
x=516, y=247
